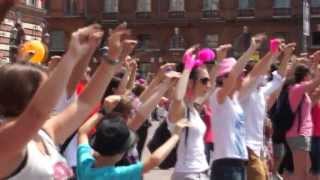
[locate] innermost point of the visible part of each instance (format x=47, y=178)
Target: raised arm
x=150, y=104
x=236, y=71
x=37, y=112
x=127, y=77
x=222, y=52
x=316, y=79
x=156, y=81
x=287, y=54
x=79, y=70
x=133, y=73
x=67, y=122
x=85, y=129
x=177, y=107
x=164, y=150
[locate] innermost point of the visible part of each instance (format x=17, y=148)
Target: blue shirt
x=86, y=170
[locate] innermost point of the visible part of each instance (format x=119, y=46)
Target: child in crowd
x=111, y=141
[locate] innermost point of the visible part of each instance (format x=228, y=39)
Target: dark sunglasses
x=205, y=80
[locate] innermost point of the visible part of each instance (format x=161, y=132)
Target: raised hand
x=164, y=69
x=189, y=59
x=128, y=46
x=115, y=41
x=256, y=41
x=181, y=125
x=83, y=40
x=222, y=51
x=288, y=49
x=172, y=77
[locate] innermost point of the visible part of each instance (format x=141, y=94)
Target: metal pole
x=305, y=25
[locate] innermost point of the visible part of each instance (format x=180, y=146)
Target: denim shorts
x=228, y=169
x=315, y=155
x=299, y=143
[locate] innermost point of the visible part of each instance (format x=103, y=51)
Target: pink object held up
x=189, y=61
x=274, y=45
x=206, y=55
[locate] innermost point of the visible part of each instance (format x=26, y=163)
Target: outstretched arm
x=177, y=108
x=164, y=150
x=67, y=122
x=37, y=112
x=236, y=71
x=150, y=104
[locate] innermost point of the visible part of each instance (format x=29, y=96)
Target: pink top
x=295, y=96
x=316, y=119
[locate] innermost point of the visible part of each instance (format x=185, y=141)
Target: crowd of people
x=220, y=118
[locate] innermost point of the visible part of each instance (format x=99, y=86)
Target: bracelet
x=110, y=61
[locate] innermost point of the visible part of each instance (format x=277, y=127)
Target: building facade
x=23, y=22
x=165, y=28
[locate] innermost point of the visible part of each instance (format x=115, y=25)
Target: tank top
x=41, y=166
x=191, y=156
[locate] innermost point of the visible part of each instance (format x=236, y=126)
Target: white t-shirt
x=191, y=154
x=43, y=167
x=228, y=124
x=254, y=106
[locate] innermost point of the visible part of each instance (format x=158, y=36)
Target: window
x=246, y=4
x=212, y=40
x=177, y=40
x=31, y=2
x=71, y=7
x=176, y=5
x=281, y=3
x=144, y=6
x=144, y=41
x=111, y=6
x=281, y=8
x=57, y=40
x=315, y=3
x=316, y=39
x=209, y=5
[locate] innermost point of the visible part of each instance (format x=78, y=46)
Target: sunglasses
x=205, y=80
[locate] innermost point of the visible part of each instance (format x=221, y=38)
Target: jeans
x=228, y=169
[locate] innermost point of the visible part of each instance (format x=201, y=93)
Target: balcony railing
x=245, y=13
x=110, y=15
x=143, y=15
x=282, y=12
x=210, y=13
x=176, y=14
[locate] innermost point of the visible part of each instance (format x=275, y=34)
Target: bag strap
x=187, y=128
x=67, y=142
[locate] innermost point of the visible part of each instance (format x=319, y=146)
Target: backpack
x=282, y=115
x=160, y=136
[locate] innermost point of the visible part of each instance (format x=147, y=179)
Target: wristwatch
x=103, y=52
